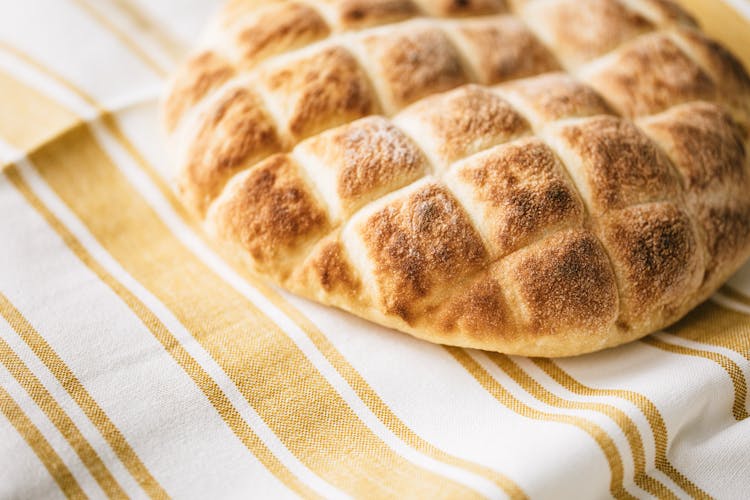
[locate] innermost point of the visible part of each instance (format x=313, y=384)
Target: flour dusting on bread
x=535, y=177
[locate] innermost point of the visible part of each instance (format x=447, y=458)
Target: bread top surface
x=541, y=177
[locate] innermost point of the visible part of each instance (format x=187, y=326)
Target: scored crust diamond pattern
x=540, y=177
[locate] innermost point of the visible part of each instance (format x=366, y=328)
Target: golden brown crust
x=453, y=8
x=555, y=96
x=235, y=132
x=201, y=74
x=552, y=214
x=615, y=165
x=278, y=28
x=269, y=212
x=462, y=122
x=319, y=91
x=650, y=75
x=655, y=253
x=664, y=12
x=414, y=62
x=581, y=30
x=502, y=48
x=352, y=14
x=417, y=244
x=708, y=149
x=363, y=160
x=333, y=270
x=706, y=146
x=327, y=273
x=481, y=310
x=564, y=285
x=723, y=67
x=727, y=229
x=518, y=193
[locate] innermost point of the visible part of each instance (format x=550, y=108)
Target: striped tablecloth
x=135, y=362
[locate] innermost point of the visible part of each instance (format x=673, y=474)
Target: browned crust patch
x=650, y=75
x=705, y=144
x=479, y=310
x=565, y=284
x=556, y=96
x=523, y=191
x=655, y=253
x=279, y=28
x=727, y=229
x=270, y=212
x=201, y=74
x=454, y=8
x=235, y=133
x=502, y=48
x=415, y=62
x=581, y=30
x=468, y=120
x=372, y=157
x=320, y=91
x=331, y=270
x=620, y=164
x=418, y=244
x=364, y=13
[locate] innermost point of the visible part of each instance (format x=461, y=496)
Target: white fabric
x=453, y=416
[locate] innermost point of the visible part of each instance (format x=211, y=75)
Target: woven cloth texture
x=135, y=362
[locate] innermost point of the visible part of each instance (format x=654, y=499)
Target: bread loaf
x=535, y=177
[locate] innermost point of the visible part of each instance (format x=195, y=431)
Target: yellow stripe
x=717, y=325
x=631, y=422
x=51, y=460
x=735, y=294
x=733, y=370
x=147, y=25
x=504, y=397
x=58, y=417
x=28, y=119
x=343, y=367
x=72, y=385
x=628, y=427
x=722, y=22
x=208, y=386
x=50, y=105
x=202, y=379
x=376, y=404
x=350, y=374
x=278, y=380
x=649, y=409
x=123, y=37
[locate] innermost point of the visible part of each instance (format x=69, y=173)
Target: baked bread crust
x=481, y=173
